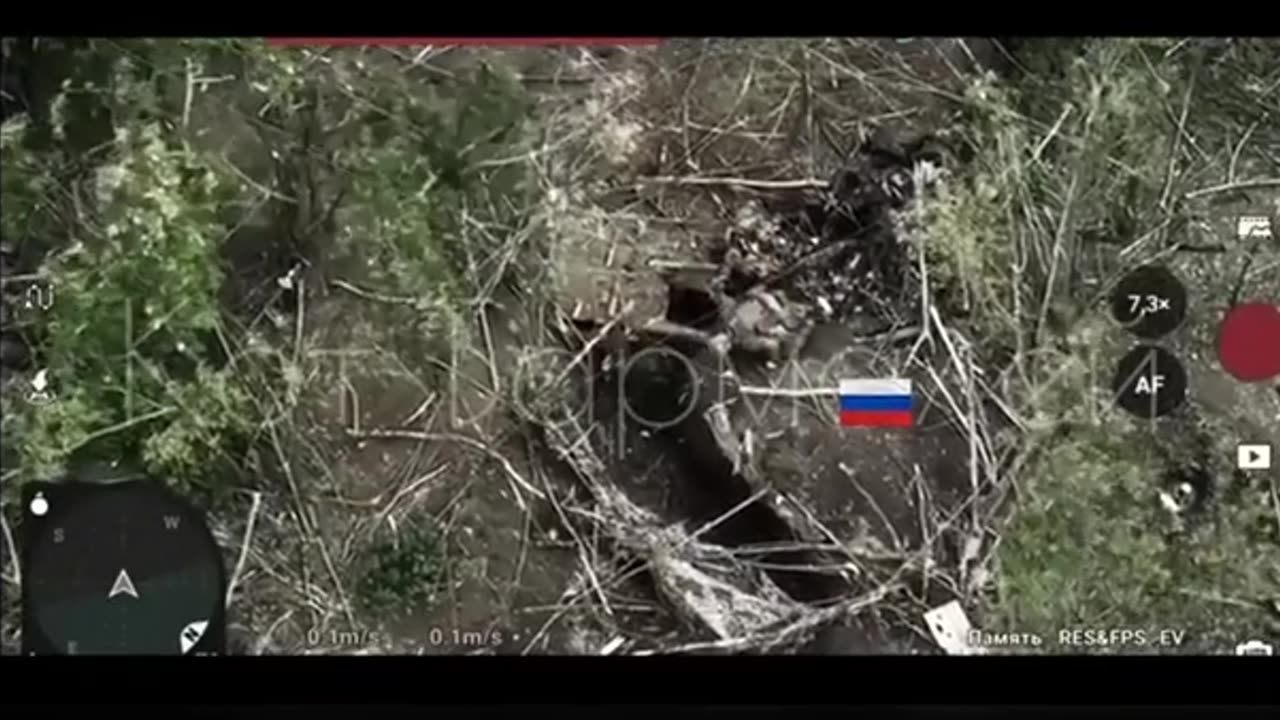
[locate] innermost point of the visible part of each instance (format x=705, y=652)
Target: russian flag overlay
x=879, y=402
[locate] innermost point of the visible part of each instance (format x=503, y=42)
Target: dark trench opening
x=659, y=387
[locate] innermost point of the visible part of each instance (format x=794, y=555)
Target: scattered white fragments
x=612, y=646
x=950, y=628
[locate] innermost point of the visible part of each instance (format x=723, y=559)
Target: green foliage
x=1083, y=157
x=157, y=229
x=417, y=180
x=1088, y=546
x=403, y=235
x=969, y=252
x=1080, y=152
x=215, y=411
x=1083, y=547
x=404, y=573
x=44, y=438
x=129, y=342
x=26, y=184
x=422, y=204
x=133, y=192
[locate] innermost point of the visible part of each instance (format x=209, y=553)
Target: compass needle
x=123, y=586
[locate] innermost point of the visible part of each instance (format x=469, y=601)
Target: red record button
x=1249, y=341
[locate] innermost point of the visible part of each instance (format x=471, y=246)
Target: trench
x=838, y=245
x=679, y=470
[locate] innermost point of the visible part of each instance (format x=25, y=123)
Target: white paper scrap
x=950, y=628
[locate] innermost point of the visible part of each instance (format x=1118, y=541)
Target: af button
x=1150, y=382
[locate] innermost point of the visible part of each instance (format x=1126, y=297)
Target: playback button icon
x=1253, y=457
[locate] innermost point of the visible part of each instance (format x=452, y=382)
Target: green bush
x=1084, y=546
x=1080, y=151
x=1087, y=544
x=404, y=573
x=135, y=344
x=418, y=188
x=130, y=343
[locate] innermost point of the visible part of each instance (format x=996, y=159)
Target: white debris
x=950, y=628
x=612, y=646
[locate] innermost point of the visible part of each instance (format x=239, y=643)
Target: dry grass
x=719, y=124
x=641, y=160
x=1008, y=267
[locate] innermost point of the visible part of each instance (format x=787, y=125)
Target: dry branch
x=736, y=182
x=1258, y=184
x=507, y=466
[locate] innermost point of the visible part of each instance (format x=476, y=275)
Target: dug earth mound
x=709, y=428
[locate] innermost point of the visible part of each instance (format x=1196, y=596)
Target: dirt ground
x=631, y=445
x=523, y=576
x=868, y=515
x=816, y=512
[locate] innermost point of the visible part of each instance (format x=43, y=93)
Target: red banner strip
x=875, y=418
x=472, y=41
